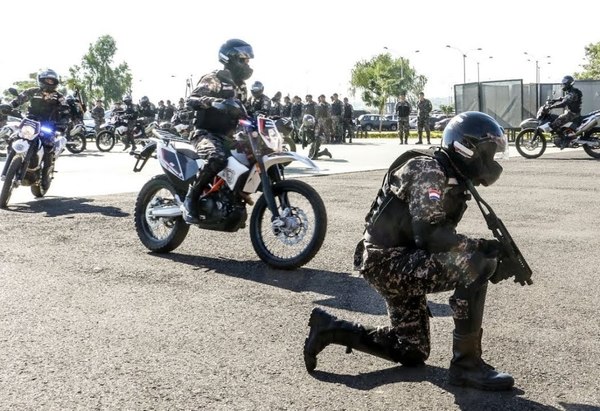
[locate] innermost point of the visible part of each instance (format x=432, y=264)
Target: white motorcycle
x=288, y=222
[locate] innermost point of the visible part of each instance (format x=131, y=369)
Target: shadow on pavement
x=61, y=206
x=579, y=407
x=464, y=398
x=345, y=291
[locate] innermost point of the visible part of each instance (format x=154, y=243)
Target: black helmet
x=567, y=82
x=234, y=54
x=127, y=99
x=48, y=80
x=70, y=99
x=257, y=89
x=144, y=101
x=471, y=140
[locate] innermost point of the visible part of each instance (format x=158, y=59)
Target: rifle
x=511, y=261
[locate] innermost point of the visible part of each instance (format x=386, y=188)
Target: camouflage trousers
x=403, y=129
x=323, y=129
x=403, y=277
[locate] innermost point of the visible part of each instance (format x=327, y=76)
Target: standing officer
x=348, y=121
x=410, y=248
x=424, y=107
x=310, y=107
x=98, y=115
x=286, y=107
x=403, y=111
x=336, y=118
x=214, y=120
x=322, y=116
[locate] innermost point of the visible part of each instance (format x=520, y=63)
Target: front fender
x=529, y=123
x=286, y=157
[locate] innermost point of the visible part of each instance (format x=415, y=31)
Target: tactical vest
x=388, y=222
x=336, y=108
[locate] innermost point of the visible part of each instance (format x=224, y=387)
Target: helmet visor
x=244, y=52
x=494, y=147
x=49, y=81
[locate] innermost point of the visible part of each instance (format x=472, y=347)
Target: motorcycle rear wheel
x=296, y=242
x=590, y=151
x=105, y=141
x=7, y=187
x=158, y=234
x=530, y=143
x=76, y=144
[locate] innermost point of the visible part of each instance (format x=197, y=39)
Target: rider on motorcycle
x=46, y=105
x=258, y=103
x=214, y=126
x=147, y=111
x=571, y=101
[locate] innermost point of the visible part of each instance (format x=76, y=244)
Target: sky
x=306, y=46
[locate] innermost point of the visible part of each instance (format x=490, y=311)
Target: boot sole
x=462, y=382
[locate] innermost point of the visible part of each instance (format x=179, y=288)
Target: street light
x=401, y=59
x=537, y=64
x=490, y=57
x=464, y=55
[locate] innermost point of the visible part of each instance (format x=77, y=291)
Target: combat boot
x=326, y=329
x=190, y=206
x=468, y=369
x=325, y=153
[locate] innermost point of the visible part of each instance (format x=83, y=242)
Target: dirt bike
x=583, y=132
x=288, y=222
x=24, y=161
x=115, y=129
x=76, y=138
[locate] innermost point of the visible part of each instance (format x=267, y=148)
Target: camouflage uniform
x=424, y=107
x=403, y=275
x=403, y=111
x=322, y=116
x=337, y=109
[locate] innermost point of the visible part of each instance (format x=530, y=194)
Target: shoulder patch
x=434, y=194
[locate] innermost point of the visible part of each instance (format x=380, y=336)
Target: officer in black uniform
x=571, y=102
x=130, y=113
x=146, y=111
x=46, y=105
x=410, y=248
x=215, y=120
x=286, y=107
x=258, y=103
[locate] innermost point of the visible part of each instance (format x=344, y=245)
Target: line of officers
x=334, y=121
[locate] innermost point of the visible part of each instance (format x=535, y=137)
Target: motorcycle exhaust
x=167, y=211
x=591, y=124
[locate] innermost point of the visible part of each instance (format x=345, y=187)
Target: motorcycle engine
x=222, y=211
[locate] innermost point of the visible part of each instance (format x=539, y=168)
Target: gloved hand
x=5, y=108
x=202, y=102
x=491, y=248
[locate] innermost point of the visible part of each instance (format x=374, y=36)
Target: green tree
x=447, y=109
x=21, y=85
x=592, y=67
x=383, y=77
x=97, y=77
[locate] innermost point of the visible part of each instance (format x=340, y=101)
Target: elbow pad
x=433, y=237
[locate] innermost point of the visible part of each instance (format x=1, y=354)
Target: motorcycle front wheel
x=158, y=234
x=293, y=239
x=593, y=151
x=530, y=143
x=105, y=141
x=76, y=144
x=8, y=186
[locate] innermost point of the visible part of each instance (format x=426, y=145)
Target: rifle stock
x=511, y=262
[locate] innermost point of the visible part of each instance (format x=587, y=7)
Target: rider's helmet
x=144, y=101
x=257, y=89
x=70, y=99
x=48, y=80
x=471, y=140
x=127, y=99
x=308, y=120
x=567, y=83
x=235, y=55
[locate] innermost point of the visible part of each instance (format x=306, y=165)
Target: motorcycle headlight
x=27, y=132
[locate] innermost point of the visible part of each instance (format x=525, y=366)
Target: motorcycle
x=583, y=132
x=115, y=129
x=76, y=138
x=288, y=222
x=24, y=161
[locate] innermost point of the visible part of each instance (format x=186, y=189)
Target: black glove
x=491, y=248
x=5, y=108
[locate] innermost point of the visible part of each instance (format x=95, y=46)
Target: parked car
x=441, y=125
x=432, y=120
x=370, y=122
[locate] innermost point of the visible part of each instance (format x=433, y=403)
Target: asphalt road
x=91, y=320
